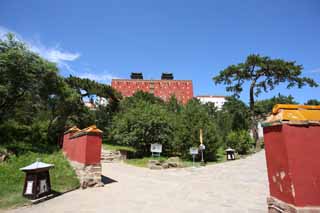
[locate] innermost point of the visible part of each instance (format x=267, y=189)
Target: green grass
x=118, y=147
x=221, y=155
x=143, y=162
x=63, y=177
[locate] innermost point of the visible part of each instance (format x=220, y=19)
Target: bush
x=141, y=125
x=193, y=117
x=143, y=121
x=240, y=141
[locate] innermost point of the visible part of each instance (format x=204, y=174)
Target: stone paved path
x=238, y=186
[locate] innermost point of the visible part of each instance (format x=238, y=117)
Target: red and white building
x=164, y=88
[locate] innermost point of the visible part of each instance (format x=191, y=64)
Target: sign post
x=202, y=147
x=156, y=149
x=193, y=151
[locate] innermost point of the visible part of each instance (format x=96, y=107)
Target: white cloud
x=316, y=70
x=53, y=54
x=99, y=77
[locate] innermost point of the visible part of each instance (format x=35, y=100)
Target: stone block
x=278, y=206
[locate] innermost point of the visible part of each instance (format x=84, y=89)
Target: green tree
x=141, y=125
x=239, y=140
x=88, y=88
x=314, y=102
x=238, y=112
x=173, y=105
x=194, y=117
x=262, y=74
x=36, y=104
x=264, y=107
x=22, y=75
x=103, y=115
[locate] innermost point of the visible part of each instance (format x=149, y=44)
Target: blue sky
x=192, y=39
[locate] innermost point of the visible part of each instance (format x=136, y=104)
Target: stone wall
x=277, y=206
x=89, y=175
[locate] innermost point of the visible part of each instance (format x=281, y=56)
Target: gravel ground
x=237, y=186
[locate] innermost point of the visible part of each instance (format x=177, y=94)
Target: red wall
x=182, y=89
x=293, y=163
x=84, y=149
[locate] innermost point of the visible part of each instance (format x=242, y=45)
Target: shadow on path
x=106, y=180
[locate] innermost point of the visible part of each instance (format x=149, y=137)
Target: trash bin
x=292, y=146
x=230, y=154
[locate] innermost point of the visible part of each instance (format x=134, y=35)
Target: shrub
x=240, y=141
x=141, y=125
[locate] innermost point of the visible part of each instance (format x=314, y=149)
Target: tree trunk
x=254, y=124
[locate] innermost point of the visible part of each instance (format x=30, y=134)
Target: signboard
x=202, y=147
x=29, y=188
x=43, y=186
x=156, y=148
x=193, y=151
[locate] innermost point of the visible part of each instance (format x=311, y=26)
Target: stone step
x=110, y=156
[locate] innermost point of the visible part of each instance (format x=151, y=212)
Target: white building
x=217, y=100
x=101, y=101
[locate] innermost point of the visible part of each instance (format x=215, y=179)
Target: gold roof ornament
x=72, y=129
x=294, y=114
x=90, y=130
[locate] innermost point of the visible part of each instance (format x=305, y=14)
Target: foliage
x=194, y=117
x=140, y=125
x=264, y=107
x=63, y=177
x=238, y=112
x=143, y=162
x=263, y=74
x=37, y=105
x=23, y=74
x=144, y=119
x=240, y=141
x=118, y=148
x=87, y=87
x=314, y=102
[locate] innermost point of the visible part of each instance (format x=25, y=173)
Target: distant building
x=164, y=88
x=101, y=101
x=94, y=103
x=217, y=100
x=90, y=105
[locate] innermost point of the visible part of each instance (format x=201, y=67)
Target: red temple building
x=164, y=88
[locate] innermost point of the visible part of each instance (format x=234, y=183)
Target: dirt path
x=238, y=186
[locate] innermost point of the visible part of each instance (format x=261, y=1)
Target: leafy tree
x=36, y=104
x=22, y=76
x=263, y=74
x=194, y=117
x=138, y=97
x=264, y=107
x=240, y=141
x=238, y=112
x=88, y=88
x=173, y=105
x=141, y=125
x=212, y=109
x=314, y=102
x=103, y=115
